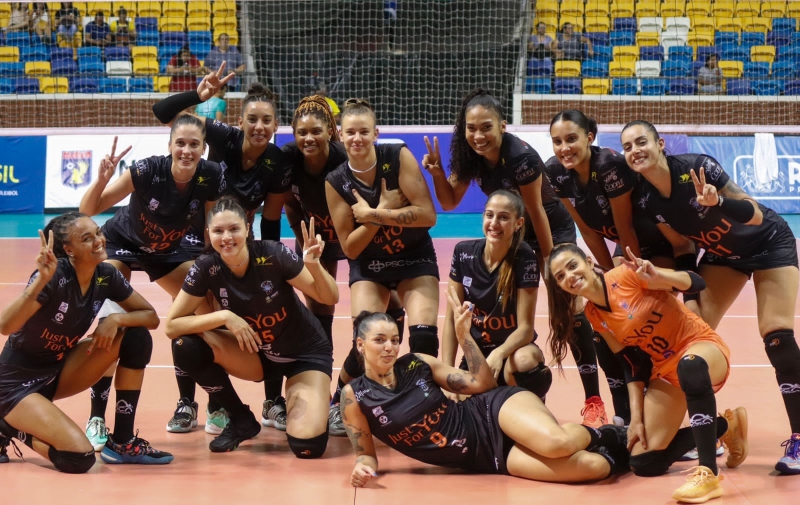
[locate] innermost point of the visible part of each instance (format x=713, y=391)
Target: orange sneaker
x=594, y=412
x=735, y=439
x=700, y=486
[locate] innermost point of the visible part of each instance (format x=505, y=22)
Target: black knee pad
x=353, y=364
x=190, y=353
x=782, y=351
x=136, y=348
x=424, y=339
x=693, y=376
x=537, y=380
x=650, y=464
x=71, y=462
x=308, y=448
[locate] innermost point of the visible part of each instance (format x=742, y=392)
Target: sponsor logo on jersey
x=96, y=307
x=264, y=261
x=602, y=202
x=466, y=257
x=413, y=364
x=386, y=167
x=202, y=180
x=384, y=420
x=214, y=270
x=562, y=178
x=684, y=179
x=194, y=207
x=377, y=411
x=223, y=293
x=76, y=168
x=63, y=307
x=423, y=385
x=63, y=282
x=102, y=280
x=153, y=205
x=141, y=167
x=467, y=281
x=360, y=394
x=610, y=177
x=59, y=317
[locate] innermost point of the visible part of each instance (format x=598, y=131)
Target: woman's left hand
x=362, y=474
x=103, y=336
x=495, y=363
x=643, y=268
x=362, y=212
x=462, y=314
x=312, y=244
x=706, y=193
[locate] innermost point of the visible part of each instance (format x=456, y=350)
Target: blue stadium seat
x=172, y=39
x=683, y=86
x=168, y=51
x=16, y=69
x=681, y=53
x=623, y=87
x=735, y=53
x=767, y=87
x=61, y=53
x=625, y=24
x=784, y=25
x=788, y=53
x=675, y=68
x=792, y=88
x=91, y=65
x=784, y=69
x=779, y=39
x=603, y=54
x=654, y=87
x=721, y=38
x=540, y=68
x=200, y=44
x=622, y=38
x=163, y=63
x=140, y=85
x=540, y=86
x=146, y=25
x=594, y=69
x=598, y=38
x=704, y=51
x=118, y=53
x=7, y=87
x=83, y=85
x=34, y=53
x=19, y=39
x=114, y=85
x=696, y=66
x=64, y=66
x=26, y=85
x=651, y=53
x=795, y=39
x=738, y=87
x=753, y=39
x=90, y=52
x=200, y=36
x=147, y=39
x=567, y=86
x=758, y=69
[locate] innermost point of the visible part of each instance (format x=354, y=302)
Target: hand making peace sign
x=706, y=193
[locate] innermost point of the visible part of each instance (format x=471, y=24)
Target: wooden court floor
x=264, y=470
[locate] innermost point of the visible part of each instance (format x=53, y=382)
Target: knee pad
x=71, y=462
x=650, y=464
x=693, y=377
x=537, y=380
x=308, y=448
x=190, y=353
x=424, y=339
x=136, y=348
x=353, y=364
x=782, y=351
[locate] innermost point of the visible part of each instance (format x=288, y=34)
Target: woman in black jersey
x=43, y=361
x=498, y=430
x=692, y=195
x=267, y=331
x=499, y=276
x=482, y=151
x=382, y=210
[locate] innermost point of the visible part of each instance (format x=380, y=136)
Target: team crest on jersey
x=506, y=184
x=699, y=207
x=194, y=207
x=602, y=202
x=257, y=193
x=96, y=307
x=423, y=385
x=467, y=281
x=153, y=204
x=377, y=411
x=63, y=307
x=76, y=168
x=269, y=289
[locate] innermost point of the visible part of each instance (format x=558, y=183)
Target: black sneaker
x=4, y=443
x=137, y=451
x=614, y=447
x=242, y=426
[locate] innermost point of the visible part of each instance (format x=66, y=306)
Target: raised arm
x=449, y=191
x=449, y=340
x=100, y=197
x=664, y=278
x=731, y=199
x=357, y=428
x=314, y=280
x=168, y=109
x=16, y=314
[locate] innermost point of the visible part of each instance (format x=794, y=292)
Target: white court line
x=566, y=367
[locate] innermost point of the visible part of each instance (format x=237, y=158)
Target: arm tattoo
x=456, y=382
x=376, y=217
x=730, y=189
x=474, y=357
x=343, y=406
x=354, y=436
x=406, y=218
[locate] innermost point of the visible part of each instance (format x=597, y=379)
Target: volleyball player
x=482, y=151
x=632, y=305
x=43, y=361
x=499, y=276
x=267, y=331
x=498, y=430
x=692, y=195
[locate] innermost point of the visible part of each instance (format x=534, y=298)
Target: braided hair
x=318, y=107
x=465, y=163
x=61, y=226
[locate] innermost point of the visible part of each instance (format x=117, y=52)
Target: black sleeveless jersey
x=309, y=189
x=66, y=314
x=263, y=298
x=708, y=227
x=389, y=241
x=520, y=165
x=491, y=325
x=416, y=418
x=158, y=215
x=609, y=177
x=271, y=173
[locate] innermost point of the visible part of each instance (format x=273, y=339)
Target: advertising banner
x=22, y=174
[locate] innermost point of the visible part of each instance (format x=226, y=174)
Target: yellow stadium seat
x=747, y=9
x=729, y=24
x=773, y=9
x=723, y=8
x=197, y=8
x=81, y=6
x=698, y=8
x=53, y=84
x=673, y=8
x=229, y=24
x=198, y=23
x=93, y=7
x=550, y=23
x=700, y=39
x=145, y=66
x=648, y=9
x=626, y=53
x=757, y=24
x=622, y=9
x=598, y=8
x=567, y=68
x=173, y=9
x=577, y=22
x=148, y=9
x=572, y=7
x=37, y=68
x=171, y=24
x=161, y=83
x=731, y=68
x=547, y=8
x=233, y=36
x=128, y=6
x=597, y=24
x=223, y=8
x=793, y=9
x=5, y=9
x=648, y=39
x=621, y=68
x=144, y=52
x=703, y=24
x=596, y=86
x=9, y=54
x=762, y=53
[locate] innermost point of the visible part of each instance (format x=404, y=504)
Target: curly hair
x=464, y=161
x=316, y=106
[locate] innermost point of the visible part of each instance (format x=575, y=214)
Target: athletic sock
x=615, y=375
x=186, y=385
x=784, y=355
x=125, y=414
x=585, y=357
x=99, y=397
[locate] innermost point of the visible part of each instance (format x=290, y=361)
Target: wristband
x=740, y=210
x=697, y=284
x=270, y=229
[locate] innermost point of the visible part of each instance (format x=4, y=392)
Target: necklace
x=183, y=182
x=362, y=171
x=246, y=257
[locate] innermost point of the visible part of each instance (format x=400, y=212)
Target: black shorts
x=388, y=272
x=781, y=251
x=155, y=266
x=564, y=234
x=659, y=250
x=19, y=379
x=274, y=369
x=494, y=446
x=332, y=252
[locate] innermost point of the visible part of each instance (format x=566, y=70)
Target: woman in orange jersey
x=684, y=361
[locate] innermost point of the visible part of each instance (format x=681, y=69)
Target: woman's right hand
x=462, y=314
x=433, y=160
x=212, y=83
x=362, y=474
x=636, y=433
x=391, y=198
x=46, y=261
x=108, y=165
x=247, y=337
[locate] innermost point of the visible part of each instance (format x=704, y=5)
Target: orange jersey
x=653, y=320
